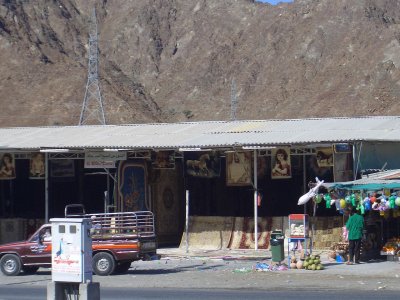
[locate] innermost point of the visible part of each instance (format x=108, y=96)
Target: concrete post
x=67, y=290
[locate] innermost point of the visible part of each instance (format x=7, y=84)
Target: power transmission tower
x=92, y=108
x=233, y=100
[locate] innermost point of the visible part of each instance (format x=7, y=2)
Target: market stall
x=377, y=198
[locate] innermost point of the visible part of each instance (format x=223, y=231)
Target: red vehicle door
x=37, y=250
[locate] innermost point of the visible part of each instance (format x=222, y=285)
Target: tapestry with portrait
x=7, y=166
x=238, y=168
x=132, y=177
x=37, y=168
x=163, y=160
x=280, y=163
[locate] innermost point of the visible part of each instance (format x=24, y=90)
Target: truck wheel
x=123, y=267
x=30, y=270
x=10, y=265
x=103, y=264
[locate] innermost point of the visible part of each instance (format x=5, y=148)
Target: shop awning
x=389, y=179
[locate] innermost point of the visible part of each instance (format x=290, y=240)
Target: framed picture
x=280, y=163
x=37, y=166
x=61, y=168
x=7, y=166
x=238, y=168
x=324, y=157
x=163, y=160
x=203, y=164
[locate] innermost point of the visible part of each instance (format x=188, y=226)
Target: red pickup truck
x=118, y=239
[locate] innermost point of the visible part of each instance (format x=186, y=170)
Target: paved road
x=222, y=275
x=39, y=293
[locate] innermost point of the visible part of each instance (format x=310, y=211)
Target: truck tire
x=103, y=264
x=10, y=265
x=29, y=270
x=123, y=267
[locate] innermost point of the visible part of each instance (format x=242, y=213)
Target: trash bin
x=277, y=246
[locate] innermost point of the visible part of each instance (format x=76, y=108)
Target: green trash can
x=277, y=246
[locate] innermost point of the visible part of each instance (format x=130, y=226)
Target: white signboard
x=100, y=159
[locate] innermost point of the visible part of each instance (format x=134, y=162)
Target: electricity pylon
x=92, y=108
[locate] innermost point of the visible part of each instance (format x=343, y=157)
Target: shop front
x=242, y=178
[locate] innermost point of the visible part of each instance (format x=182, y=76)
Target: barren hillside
x=175, y=60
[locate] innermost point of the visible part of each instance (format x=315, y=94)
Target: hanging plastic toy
x=362, y=208
x=392, y=202
x=347, y=198
x=318, y=198
x=337, y=204
x=367, y=203
x=353, y=199
x=328, y=199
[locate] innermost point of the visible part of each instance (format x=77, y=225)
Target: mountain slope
x=175, y=60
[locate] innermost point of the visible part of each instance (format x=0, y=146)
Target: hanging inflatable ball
x=372, y=199
x=347, y=198
x=397, y=201
x=342, y=203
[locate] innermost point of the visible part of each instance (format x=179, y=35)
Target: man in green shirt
x=355, y=226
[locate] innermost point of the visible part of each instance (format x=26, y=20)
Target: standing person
x=355, y=226
x=282, y=165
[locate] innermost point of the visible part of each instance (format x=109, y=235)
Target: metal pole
x=187, y=221
x=107, y=196
x=255, y=202
x=46, y=188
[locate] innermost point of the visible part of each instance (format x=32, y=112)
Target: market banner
x=103, y=159
x=37, y=166
x=7, y=166
x=280, y=163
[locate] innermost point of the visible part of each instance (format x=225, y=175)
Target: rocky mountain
x=186, y=60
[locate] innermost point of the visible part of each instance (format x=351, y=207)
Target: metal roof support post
x=356, y=159
x=46, y=188
x=107, y=195
x=255, y=202
x=187, y=221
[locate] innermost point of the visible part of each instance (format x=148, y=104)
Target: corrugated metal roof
x=204, y=134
